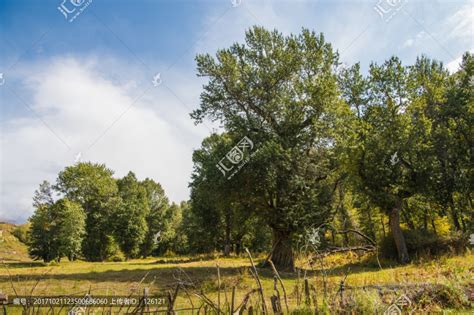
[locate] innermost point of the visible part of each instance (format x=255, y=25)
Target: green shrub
x=117, y=255
x=422, y=243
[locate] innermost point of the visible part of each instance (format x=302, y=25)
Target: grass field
x=161, y=274
x=124, y=278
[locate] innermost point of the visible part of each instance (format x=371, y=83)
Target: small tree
x=155, y=219
x=56, y=231
x=130, y=218
x=68, y=228
x=39, y=239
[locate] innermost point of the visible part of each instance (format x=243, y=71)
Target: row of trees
x=89, y=214
x=98, y=217
x=332, y=142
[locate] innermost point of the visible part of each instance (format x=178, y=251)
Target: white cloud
x=74, y=97
x=418, y=38
x=453, y=66
x=461, y=23
x=408, y=43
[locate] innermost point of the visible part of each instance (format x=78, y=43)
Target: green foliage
x=40, y=237
x=387, y=153
x=56, y=231
x=391, y=133
x=130, y=218
x=92, y=186
x=155, y=219
x=122, y=217
x=453, y=118
x=404, y=144
x=44, y=195
x=280, y=92
x=450, y=296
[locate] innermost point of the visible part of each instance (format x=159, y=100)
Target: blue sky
x=82, y=90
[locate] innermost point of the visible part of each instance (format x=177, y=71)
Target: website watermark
x=402, y=305
x=387, y=9
x=394, y=159
x=236, y=3
x=156, y=81
x=71, y=9
x=236, y=158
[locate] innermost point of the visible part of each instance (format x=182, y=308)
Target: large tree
x=224, y=207
x=451, y=110
x=391, y=151
x=93, y=187
x=281, y=92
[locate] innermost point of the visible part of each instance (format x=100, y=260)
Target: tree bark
x=454, y=214
x=397, y=233
x=282, y=254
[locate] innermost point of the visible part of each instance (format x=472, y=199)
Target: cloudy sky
x=77, y=75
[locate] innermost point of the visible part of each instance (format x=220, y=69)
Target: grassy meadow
x=25, y=277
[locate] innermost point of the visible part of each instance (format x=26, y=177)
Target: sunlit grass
x=161, y=274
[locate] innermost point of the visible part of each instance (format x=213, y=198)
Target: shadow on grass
x=167, y=275
x=24, y=264
x=162, y=277
x=174, y=261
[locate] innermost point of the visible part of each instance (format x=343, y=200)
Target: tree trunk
x=227, y=246
x=397, y=233
x=454, y=214
x=238, y=247
x=433, y=225
x=383, y=225
x=282, y=255
x=425, y=219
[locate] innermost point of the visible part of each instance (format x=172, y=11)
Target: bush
x=367, y=302
x=21, y=233
x=118, y=256
x=451, y=295
x=423, y=243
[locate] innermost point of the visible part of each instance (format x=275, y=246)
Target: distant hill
x=11, y=248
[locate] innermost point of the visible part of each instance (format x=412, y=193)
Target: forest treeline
x=327, y=148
